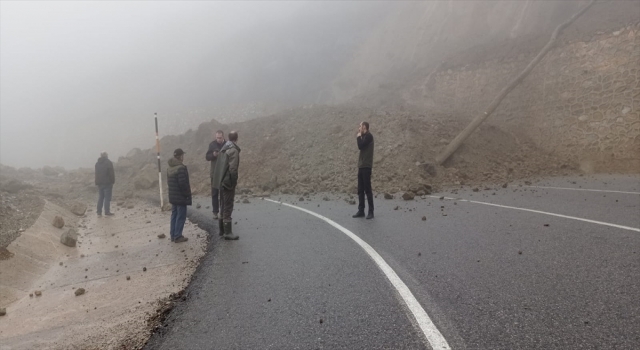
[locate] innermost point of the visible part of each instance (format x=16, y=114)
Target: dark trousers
x=226, y=202
x=104, y=198
x=364, y=187
x=178, y=218
x=215, y=198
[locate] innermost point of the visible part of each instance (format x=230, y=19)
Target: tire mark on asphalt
x=435, y=339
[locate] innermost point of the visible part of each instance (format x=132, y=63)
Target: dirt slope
x=314, y=150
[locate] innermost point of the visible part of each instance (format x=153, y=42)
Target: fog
x=77, y=78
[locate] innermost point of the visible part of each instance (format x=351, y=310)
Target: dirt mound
x=314, y=150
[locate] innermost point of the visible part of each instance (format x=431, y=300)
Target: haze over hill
x=79, y=78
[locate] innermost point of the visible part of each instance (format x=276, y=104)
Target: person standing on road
x=212, y=156
x=105, y=178
x=179, y=194
x=225, y=178
x=365, y=163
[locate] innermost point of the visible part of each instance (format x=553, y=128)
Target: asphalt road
x=488, y=277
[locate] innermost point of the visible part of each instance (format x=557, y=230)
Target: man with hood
x=212, y=156
x=179, y=194
x=225, y=178
x=105, y=178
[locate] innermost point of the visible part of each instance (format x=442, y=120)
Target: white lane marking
x=546, y=213
x=434, y=337
x=583, y=189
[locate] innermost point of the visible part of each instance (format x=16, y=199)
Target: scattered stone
x=69, y=238
x=30, y=295
x=352, y=201
x=326, y=199
x=528, y=183
x=79, y=209
x=546, y=225
x=504, y=185
x=301, y=199
x=245, y=201
x=441, y=198
x=321, y=321
x=476, y=189
x=58, y=222
x=388, y=196
x=130, y=206
x=148, y=221
x=38, y=293
x=396, y=207
x=3, y=311
x=198, y=206
x=424, y=218
x=407, y=196
x=144, y=269
x=128, y=278
x=61, y=263
x=79, y=291
x=162, y=235
x=520, y=252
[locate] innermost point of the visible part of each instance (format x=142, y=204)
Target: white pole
x=159, y=167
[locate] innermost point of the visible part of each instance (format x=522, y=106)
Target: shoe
x=108, y=214
x=369, y=216
x=359, y=214
x=215, y=216
x=99, y=215
x=228, y=234
x=181, y=239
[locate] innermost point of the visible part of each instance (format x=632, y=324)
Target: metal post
x=159, y=167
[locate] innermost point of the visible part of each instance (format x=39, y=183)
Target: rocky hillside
x=314, y=150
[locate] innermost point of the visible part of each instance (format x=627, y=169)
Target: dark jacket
x=365, y=145
x=178, y=182
x=104, y=172
x=225, y=174
x=213, y=146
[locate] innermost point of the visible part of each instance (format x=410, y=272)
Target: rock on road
x=488, y=277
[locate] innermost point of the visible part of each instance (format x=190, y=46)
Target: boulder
x=407, y=196
x=388, y=196
x=69, y=238
x=58, y=222
x=79, y=209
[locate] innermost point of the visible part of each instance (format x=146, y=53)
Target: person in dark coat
x=225, y=178
x=212, y=156
x=105, y=178
x=179, y=194
x=364, y=140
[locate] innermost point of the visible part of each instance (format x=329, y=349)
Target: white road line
x=434, y=337
x=546, y=213
x=582, y=189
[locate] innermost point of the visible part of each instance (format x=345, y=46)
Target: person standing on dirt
x=212, y=156
x=365, y=164
x=225, y=178
x=105, y=178
x=179, y=194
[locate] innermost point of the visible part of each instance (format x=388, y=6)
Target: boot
x=359, y=214
x=228, y=234
x=370, y=215
x=220, y=227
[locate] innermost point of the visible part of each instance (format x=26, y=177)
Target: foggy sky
x=77, y=78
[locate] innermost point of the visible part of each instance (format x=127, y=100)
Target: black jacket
x=104, y=172
x=365, y=145
x=213, y=146
x=178, y=182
